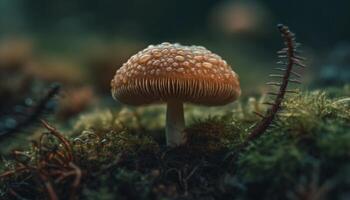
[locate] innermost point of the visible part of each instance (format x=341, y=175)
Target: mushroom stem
x=175, y=123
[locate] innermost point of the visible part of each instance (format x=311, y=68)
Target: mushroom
x=175, y=74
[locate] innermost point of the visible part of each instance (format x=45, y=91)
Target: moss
x=311, y=134
x=213, y=134
x=308, y=112
x=94, y=150
x=119, y=184
x=99, y=120
x=305, y=154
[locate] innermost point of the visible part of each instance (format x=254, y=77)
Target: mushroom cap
x=167, y=71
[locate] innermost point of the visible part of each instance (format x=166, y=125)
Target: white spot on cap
x=207, y=65
x=180, y=69
x=156, y=63
x=186, y=64
x=179, y=58
x=199, y=58
x=144, y=58
x=213, y=60
x=166, y=43
x=181, y=53
x=165, y=51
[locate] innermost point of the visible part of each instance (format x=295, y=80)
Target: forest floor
x=108, y=154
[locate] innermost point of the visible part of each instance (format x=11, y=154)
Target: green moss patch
x=305, y=154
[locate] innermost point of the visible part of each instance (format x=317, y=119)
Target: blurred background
x=80, y=44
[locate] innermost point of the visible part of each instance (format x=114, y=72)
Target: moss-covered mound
x=305, y=154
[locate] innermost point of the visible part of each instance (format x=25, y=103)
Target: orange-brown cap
x=175, y=72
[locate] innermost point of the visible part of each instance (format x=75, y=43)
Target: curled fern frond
x=289, y=60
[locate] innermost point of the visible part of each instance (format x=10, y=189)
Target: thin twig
x=289, y=54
